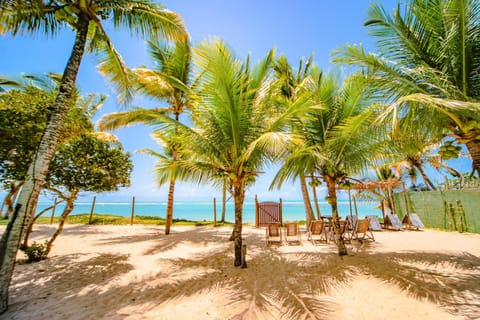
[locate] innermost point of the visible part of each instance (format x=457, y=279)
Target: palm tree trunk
x=315, y=199
x=171, y=189
x=238, y=196
x=306, y=199
x=66, y=212
x=473, y=147
x=28, y=197
x=30, y=227
x=332, y=199
x=425, y=178
x=169, y=219
x=224, y=200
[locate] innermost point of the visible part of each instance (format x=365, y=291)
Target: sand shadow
x=297, y=286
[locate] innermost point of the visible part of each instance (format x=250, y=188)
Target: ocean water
x=202, y=210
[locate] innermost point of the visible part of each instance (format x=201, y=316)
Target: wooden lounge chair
x=412, y=221
x=393, y=221
x=292, y=233
x=273, y=233
x=362, y=231
x=374, y=223
x=344, y=233
x=317, y=232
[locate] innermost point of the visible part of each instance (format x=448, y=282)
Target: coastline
x=203, y=210
x=136, y=272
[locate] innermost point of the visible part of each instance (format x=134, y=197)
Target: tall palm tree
x=236, y=131
x=141, y=17
x=340, y=140
x=290, y=88
x=169, y=81
x=427, y=67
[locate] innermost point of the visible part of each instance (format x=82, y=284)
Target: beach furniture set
x=319, y=231
x=269, y=215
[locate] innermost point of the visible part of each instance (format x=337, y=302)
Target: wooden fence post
x=256, y=211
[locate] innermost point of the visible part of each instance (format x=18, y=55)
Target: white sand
x=136, y=272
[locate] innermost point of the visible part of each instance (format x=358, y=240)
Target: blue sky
x=294, y=28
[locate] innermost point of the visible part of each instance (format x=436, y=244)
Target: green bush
x=36, y=252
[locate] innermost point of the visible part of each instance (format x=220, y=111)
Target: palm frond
x=113, y=121
x=112, y=66
x=30, y=17
x=145, y=18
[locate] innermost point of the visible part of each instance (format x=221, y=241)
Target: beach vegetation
x=87, y=163
x=425, y=70
x=236, y=131
x=339, y=139
x=86, y=19
x=169, y=81
x=24, y=114
x=36, y=252
x=291, y=86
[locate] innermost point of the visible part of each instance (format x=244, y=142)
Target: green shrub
x=36, y=252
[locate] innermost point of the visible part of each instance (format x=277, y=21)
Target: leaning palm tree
x=340, y=138
x=169, y=81
x=141, y=17
x=427, y=67
x=236, y=131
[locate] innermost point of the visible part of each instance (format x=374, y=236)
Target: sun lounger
x=273, y=233
x=362, y=231
x=412, y=221
x=292, y=233
x=317, y=232
x=374, y=223
x=393, y=221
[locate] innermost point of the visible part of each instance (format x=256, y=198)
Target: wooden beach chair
x=273, y=233
x=317, y=232
x=374, y=223
x=292, y=233
x=362, y=231
x=412, y=221
x=393, y=221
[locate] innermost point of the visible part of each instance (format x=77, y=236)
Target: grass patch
x=100, y=219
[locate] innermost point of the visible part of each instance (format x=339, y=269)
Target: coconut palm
x=86, y=18
x=290, y=87
x=340, y=140
x=236, y=131
x=169, y=81
x=427, y=67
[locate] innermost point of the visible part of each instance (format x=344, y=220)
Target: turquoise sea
x=203, y=210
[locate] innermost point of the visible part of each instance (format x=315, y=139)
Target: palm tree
x=141, y=17
x=340, y=140
x=170, y=81
x=236, y=131
x=427, y=67
x=290, y=88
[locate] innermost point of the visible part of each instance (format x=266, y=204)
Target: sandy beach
x=136, y=272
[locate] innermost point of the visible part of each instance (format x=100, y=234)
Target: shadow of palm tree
x=296, y=289
x=303, y=278
x=59, y=279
